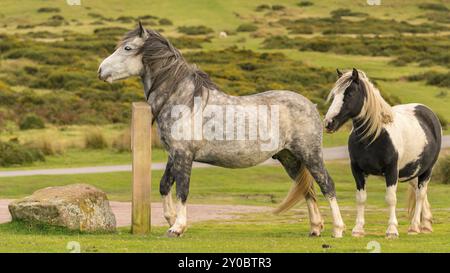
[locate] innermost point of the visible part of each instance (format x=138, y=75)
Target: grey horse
x=217, y=127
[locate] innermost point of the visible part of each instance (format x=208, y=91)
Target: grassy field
x=252, y=233
x=54, y=54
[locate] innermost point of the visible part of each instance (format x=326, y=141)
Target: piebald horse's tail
x=303, y=186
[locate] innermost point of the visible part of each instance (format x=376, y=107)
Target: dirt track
x=196, y=213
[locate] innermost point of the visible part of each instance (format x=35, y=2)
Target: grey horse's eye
x=127, y=48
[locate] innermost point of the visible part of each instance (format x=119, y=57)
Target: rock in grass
x=77, y=207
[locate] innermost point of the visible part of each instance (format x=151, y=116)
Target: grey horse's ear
x=339, y=73
x=142, y=32
x=355, y=75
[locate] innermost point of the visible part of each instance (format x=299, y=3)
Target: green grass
x=261, y=232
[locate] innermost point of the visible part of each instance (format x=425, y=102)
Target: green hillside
x=50, y=51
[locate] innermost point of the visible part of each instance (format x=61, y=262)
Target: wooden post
x=141, y=146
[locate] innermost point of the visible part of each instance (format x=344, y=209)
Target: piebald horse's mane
x=375, y=112
x=167, y=64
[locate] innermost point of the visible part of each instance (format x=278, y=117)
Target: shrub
x=433, y=78
x=47, y=146
x=195, y=30
x=165, y=22
x=443, y=121
x=305, y=4
x=31, y=121
x=433, y=6
x=346, y=12
x=262, y=7
x=278, y=7
x=122, y=143
x=442, y=170
x=48, y=10
x=94, y=139
x=12, y=153
x=247, y=28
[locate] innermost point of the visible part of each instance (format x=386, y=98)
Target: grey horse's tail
x=303, y=186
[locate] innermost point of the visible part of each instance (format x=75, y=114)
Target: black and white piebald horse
x=401, y=143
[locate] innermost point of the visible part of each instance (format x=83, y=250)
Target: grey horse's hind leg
x=311, y=156
x=165, y=190
x=292, y=165
x=181, y=171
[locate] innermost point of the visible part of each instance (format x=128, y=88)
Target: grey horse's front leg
x=165, y=190
x=181, y=171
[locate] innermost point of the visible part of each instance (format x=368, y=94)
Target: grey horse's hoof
x=173, y=234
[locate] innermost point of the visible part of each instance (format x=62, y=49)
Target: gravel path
x=196, y=213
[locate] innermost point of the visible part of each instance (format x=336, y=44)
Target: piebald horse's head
x=355, y=97
x=348, y=99
x=126, y=61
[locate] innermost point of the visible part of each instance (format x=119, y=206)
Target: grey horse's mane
x=167, y=65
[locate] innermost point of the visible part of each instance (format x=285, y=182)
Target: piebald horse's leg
x=391, y=201
x=427, y=217
x=421, y=192
x=181, y=171
x=361, y=197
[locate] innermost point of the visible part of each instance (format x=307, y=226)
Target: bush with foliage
x=433, y=78
x=247, y=28
x=94, y=139
x=263, y=7
x=433, y=6
x=305, y=4
x=442, y=170
x=12, y=153
x=31, y=121
x=165, y=22
x=48, y=10
x=278, y=7
x=407, y=49
x=195, y=30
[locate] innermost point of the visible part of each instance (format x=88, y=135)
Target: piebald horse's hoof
x=358, y=234
x=391, y=236
x=413, y=231
x=426, y=229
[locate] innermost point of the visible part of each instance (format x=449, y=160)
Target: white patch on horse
x=407, y=136
x=169, y=210
x=181, y=222
x=338, y=223
x=361, y=197
x=335, y=107
x=391, y=200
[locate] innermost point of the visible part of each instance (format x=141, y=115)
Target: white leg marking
x=391, y=200
x=181, y=221
x=361, y=197
x=427, y=217
x=315, y=219
x=338, y=224
x=169, y=210
x=420, y=197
